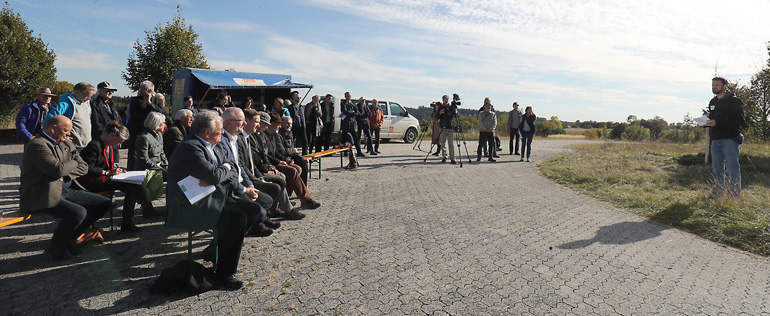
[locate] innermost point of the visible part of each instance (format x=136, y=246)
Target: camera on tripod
x=455, y=102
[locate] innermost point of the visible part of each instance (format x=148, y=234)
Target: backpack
x=186, y=274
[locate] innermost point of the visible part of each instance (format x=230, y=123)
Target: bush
x=617, y=130
x=636, y=133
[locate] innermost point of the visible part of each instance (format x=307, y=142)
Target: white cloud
x=82, y=59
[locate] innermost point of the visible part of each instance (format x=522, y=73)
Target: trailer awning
x=244, y=80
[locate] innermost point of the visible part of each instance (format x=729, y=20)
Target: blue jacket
x=65, y=107
x=28, y=120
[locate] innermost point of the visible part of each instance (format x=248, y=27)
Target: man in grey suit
x=49, y=164
x=196, y=156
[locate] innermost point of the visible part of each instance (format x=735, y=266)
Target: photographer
x=487, y=124
x=446, y=113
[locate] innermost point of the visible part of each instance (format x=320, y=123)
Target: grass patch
x=670, y=184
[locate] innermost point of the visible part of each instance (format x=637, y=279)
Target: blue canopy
x=244, y=80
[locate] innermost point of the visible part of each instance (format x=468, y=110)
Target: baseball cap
x=105, y=85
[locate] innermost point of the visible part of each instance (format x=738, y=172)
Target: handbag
x=153, y=183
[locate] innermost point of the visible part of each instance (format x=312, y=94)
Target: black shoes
x=129, y=227
x=294, y=214
x=272, y=224
x=360, y=155
x=443, y=160
x=478, y=158
x=58, y=253
x=259, y=230
x=491, y=160
x=453, y=162
x=230, y=282
x=496, y=156
x=310, y=204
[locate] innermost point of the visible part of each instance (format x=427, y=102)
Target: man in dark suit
x=49, y=164
x=258, y=201
x=327, y=118
x=196, y=157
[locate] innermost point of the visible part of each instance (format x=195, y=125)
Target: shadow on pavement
x=618, y=234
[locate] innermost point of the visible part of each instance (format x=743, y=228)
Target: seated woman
x=176, y=133
x=102, y=157
x=149, y=144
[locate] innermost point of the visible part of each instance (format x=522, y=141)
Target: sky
x=599, y=60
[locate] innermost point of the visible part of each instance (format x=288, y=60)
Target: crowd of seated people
x=247, y=153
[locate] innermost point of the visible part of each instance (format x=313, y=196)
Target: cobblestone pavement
x=399, y=236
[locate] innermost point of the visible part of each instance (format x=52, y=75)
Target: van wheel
x=410, y=136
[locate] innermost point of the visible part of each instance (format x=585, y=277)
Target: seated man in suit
x=195, y=156
x=272, y=184
x=50, y=163
x=233, y=126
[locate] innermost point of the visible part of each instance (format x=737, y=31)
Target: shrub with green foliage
x=636, y=133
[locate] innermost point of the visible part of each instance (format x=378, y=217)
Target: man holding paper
x=196, y=157
x=725, y=119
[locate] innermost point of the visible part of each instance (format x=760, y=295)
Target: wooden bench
x=18, y=216
x=317, y=156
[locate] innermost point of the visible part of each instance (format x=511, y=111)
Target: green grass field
x=669, y=183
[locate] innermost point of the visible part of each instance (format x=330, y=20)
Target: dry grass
x=659, y=181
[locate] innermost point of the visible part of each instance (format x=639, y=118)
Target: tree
x=61, y=87
x=27, y=63
x=760, y=100
x=550, y=127
x=165, y=50
x=636, y=133
x=617, y=130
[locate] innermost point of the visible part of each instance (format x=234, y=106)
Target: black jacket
x=138, y=110
x=98, y=159
x=728, y=114
x=103, y=112
x=327, y=116
x=529, y=120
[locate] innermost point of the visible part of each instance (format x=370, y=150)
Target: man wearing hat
x=103, y=109
x=30, y=118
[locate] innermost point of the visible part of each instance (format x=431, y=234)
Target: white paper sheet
x=193, y=190
x=701, y=121
x=134, y=177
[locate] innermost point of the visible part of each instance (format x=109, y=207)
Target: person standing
x=726, y=117
x=527, y=129
x=487, y=124
x=375, y=125
x=188, y=104
x=445, y=116
x=297, y=112
x=29, y=120
x=327, y=118
x=49, y=164
x=349, y=124
x=514, y=118
x=313, y=124
x=103, y=109
x=76, y=106
x=363, y=125
x=138, y=108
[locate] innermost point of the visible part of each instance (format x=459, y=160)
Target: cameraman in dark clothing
x=726, y=117
x=446, y=113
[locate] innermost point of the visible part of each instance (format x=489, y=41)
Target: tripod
x=422, y=136
x=460, y=136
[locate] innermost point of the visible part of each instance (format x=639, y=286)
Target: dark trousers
x=300, y=140
x=376, y=142
x=131, y=151
x=134, y=193
x=78, y=210
x=270, y=189
x=236, y=219
x=310, y=132
x=363, y=129
x=526, y=143
x=486, y=139
x=514, y=139
x=325, y=137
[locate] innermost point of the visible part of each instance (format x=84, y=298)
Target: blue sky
x=578, y=60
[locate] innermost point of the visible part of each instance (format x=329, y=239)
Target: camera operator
x=487, y=124
x=435, y=130
x=446, y=113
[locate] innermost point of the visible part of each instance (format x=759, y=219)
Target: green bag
x=153, y=183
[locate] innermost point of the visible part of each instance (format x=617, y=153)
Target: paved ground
x=399, y=236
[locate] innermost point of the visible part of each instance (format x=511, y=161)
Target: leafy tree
x=550, y=127
x=61, y=87
x=636, y=133
x=631, y=119
x=617, y=130
x=165, y=50
x=27, y=63
x=760, y=100
x=656, y=126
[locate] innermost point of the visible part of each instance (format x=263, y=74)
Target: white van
x=396, y=121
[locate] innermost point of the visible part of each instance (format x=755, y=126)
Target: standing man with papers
x=725, y=118
x=196, y=157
